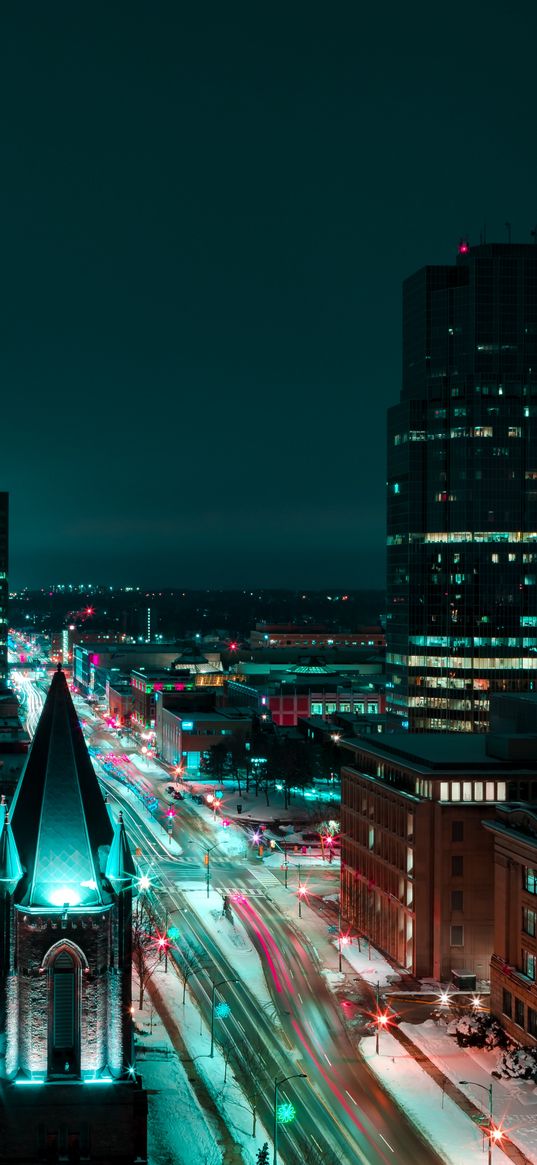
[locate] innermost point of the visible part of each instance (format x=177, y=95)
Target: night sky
x=207, y=213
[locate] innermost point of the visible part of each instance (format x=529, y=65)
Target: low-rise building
x=278, y=635
x=301, y=695
x=183, y=736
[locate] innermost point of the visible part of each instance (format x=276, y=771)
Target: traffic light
x=261, y=851
x=206, y=859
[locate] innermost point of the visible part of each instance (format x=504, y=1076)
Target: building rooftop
x=443, y=751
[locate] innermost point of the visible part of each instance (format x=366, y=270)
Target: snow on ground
x=234, y=943
x=178, y=1132
x=311, y=808
x=275, y=860
x=147, y=765
x=455, y=1136
x=514, y=1101
x=368, y=963
x=228, y=1096
x=161, y=835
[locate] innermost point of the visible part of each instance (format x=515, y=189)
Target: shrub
x=518, y=1063
x=477, y=1031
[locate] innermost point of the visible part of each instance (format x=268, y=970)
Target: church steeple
x=66, y=879
x=120, y=868
x=10, y=867
x=59, y=816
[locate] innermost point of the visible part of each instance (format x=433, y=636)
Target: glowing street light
x=382, y=1020
x=215, y=987
x=207, y=861
x=494, y=1132
x=283, y=1113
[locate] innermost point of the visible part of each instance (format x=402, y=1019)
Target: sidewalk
x=514, y=1101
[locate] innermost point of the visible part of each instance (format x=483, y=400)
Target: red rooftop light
x=464, y=247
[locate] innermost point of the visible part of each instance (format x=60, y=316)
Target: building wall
x=286, y=710
x=399, y=883
x=513, y=989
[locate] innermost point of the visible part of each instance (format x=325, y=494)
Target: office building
x=4, y=585
x=462, y=491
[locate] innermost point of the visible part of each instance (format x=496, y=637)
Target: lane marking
x=386, y=1143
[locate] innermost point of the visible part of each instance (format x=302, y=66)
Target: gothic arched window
x=64, y=1022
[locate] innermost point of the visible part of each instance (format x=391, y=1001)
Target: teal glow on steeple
x=120, y=868
x=10, y=867
x=59, y=816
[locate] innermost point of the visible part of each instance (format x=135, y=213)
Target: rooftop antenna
x=508, y=229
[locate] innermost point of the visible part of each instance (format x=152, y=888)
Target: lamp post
x=207, y=860
x=277, y=1084
x=300, y=892
x=486, y=1088
x=215, y=987
x=340, y=940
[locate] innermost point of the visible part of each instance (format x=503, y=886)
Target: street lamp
x=215, y=987
x=277, y=1084
x=207, y=861
x=495, y=1134
x=342, y=940
x=301, y=893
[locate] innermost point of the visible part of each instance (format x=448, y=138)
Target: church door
x=64, y=1043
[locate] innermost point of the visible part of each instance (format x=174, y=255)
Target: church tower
x=68, y=1086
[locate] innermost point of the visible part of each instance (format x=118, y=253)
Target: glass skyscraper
x=462, y=491
x=4, y=586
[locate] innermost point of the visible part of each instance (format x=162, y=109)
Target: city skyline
x=207, y=232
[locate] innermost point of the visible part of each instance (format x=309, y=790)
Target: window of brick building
x=519, y=1012
x=507, y=1004
x=457, y=898
x=532, y=1021
x=528, y=964
x=529, y=919
x=457, y=936
x=530, y=880
x=457, y=866
x=457, y=830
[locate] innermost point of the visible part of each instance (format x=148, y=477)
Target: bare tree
x=145, y=950
x=247, y=1072
x=189, y=961
x=310, y=1153
x=227, y=1048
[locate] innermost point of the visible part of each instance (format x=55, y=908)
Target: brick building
x=66, y=877
x=513, y=986
x=417, y=865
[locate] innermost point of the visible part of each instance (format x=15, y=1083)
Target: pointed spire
x=10, y=867
x=59, y=817
x=120, y=868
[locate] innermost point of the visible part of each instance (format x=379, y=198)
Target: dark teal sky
x=207, y=213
